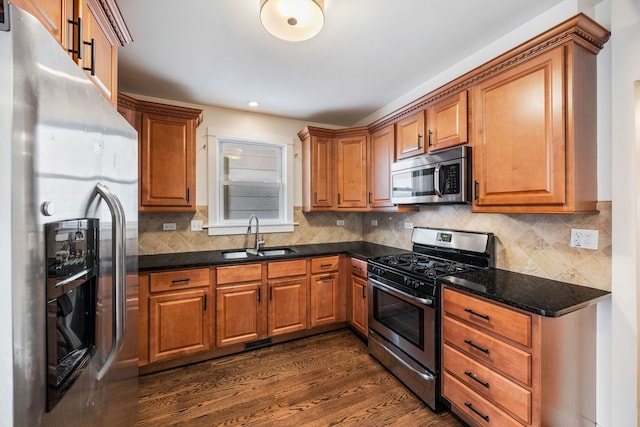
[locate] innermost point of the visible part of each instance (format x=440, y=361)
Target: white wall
x=625, y=69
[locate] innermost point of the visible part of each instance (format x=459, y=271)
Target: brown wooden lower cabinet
x=325, y=290
x=288, y=288
x=239, y=304
x=503, y=366
x=358, y=309
x=179, y=323
x=177, y=319
x=182, y=313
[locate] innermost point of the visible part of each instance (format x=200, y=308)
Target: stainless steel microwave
x=441, y=177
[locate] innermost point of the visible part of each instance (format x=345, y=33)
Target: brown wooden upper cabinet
x=334, y=169
x=352, y=171
x=317, y=169
x=535, y=127
x=410, y=136
x=381, y=155
x=90, y=31
x=166, y=141
x=447, y=122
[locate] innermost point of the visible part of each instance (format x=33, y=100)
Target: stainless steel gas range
x=404, y=306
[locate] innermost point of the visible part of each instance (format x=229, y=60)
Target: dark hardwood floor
x=324, y=380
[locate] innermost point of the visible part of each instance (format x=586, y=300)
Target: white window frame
x=217, y=226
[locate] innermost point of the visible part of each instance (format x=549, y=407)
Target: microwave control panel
x=451, y=179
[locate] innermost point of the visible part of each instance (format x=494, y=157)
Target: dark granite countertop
x=546, y=297
x=362, y=250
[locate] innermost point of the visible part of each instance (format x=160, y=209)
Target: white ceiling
x=370, y=52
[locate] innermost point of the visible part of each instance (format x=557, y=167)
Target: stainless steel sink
x=276, y=252
x=235, y=254
x=243, y=253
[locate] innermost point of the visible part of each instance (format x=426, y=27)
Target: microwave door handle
x=118, y=276
x=436, y=181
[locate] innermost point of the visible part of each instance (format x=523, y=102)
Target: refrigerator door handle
x=118, y=278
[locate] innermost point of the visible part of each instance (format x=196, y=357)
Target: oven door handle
x=118, y=278
x=399, y=294
x=427, y=376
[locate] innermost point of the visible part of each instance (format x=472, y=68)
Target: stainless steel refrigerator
x=68, y=182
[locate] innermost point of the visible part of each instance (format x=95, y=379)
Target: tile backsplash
x=532, y=244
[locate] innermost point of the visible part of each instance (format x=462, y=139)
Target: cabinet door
x=352, y=172
x=287, y=310
x=99, y=49
x=51, y=13
x=381, y=155
x=447, y=122
x=178, y=324
x=324, y=299
x=359, y=311
x=322, y=171
x=167, y=175
x=519, y=131
x=410, y=136
x=238, y=314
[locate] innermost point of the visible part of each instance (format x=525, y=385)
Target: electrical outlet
x=583, y=238
x=169, y=226
x=408, y=225
x=196, y=225
x=340, y=222
x=374, y=222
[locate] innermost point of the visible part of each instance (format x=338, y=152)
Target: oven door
x=406, y=321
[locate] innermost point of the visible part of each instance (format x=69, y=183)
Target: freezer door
x=65, y=139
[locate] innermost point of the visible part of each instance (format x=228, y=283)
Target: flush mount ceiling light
x=292, y=20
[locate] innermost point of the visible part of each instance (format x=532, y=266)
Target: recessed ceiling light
x=253, y=104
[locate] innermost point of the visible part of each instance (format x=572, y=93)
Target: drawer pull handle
x=326, y=265
x=484, y=350
x=325, y=278
x=357, y=267
x=484, y=316
x=470, y=406
x=180, y=281
x=473, y=377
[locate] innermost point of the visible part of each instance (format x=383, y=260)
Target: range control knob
x=377, y=270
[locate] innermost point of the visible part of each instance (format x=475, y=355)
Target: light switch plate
x=340, y=222
x=169, y=226
x=196, y=225
x=374, y=222
x=584, y=238
x=408, y=225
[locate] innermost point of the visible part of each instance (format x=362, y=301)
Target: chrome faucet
x=258, y=241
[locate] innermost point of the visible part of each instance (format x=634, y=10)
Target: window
x=250, y=177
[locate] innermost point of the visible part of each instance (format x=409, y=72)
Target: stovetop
x=421, y=265
x=436, y=253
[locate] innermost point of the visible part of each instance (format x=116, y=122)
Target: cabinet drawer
x=489, y=350
x=508, y=395
x=359, y=267
x=179, y=279
x=296, y=267
x=475, y=407
x=503, y=321
x=321, y=265
x=238, y=273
